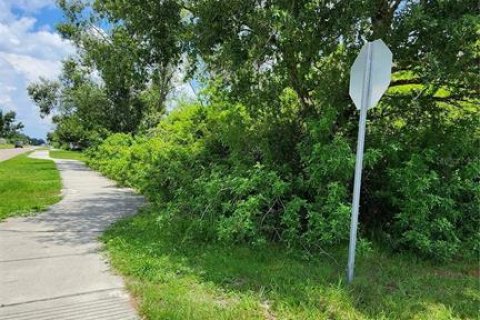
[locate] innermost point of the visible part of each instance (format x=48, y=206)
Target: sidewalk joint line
x=59, y=297
x=49, y=257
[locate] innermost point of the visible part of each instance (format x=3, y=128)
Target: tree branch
x=394, y=5
x=401, y=82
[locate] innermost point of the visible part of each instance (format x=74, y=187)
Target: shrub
x=218, y=172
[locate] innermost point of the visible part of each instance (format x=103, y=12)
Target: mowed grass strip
x=6, y=146
x=27, y=185
x=67, y=154
x=175, y=279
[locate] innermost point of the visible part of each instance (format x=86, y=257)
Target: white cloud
x=31, y=68
x=27, y=52
x=28, y=6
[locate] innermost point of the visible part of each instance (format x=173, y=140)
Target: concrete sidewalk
x=50, y=265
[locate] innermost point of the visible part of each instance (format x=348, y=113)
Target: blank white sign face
x=380, y=73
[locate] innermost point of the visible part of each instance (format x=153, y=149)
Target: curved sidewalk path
x=50, y=264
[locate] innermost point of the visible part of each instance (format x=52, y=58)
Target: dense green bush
x=113, y=155
x=205, y=164
x=214, y=171
x=435, y=191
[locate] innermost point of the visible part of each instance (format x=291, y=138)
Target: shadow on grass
x=285, y=285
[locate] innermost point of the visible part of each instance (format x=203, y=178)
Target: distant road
x=10, y=153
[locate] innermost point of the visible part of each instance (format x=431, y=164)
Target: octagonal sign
x=370, y=74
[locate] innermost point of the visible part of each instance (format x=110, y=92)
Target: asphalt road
x=51, y=266
x=10, y=153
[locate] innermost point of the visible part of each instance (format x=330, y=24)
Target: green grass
x=6, y=146
x=66, y=154
x=27, y=185
x=175, y=279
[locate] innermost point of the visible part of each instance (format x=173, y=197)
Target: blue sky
x=29, y=48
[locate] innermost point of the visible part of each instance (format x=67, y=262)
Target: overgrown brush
x=214, y=169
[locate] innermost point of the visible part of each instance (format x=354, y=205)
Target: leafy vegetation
x=204, y=163
x=265, y=152
x=252, y=176
x=174, y=278
x=66, y=154
x=8, y=125
x=27, y=185
x=10, y=131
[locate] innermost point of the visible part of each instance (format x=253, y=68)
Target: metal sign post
x=369, y=79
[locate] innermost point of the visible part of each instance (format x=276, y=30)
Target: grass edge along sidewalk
x=67, y=154
x=188, y=279
x=27, y=185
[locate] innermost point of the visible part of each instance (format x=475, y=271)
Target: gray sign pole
x=359, y=164
x=369, y=79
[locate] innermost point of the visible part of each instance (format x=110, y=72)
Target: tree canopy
x=9, y=127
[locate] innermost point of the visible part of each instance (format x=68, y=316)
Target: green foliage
x=267, y=154
x=436, y=195
x=112, y=156
x=199, y=163
x=8, y=127
x=175, y=279
x=45, y=94
x=203, y=164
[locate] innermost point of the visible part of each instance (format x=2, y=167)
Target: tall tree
x=125, y=61
x=8, y=125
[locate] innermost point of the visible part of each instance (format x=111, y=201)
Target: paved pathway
x=50, y=265
x=10, y=153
